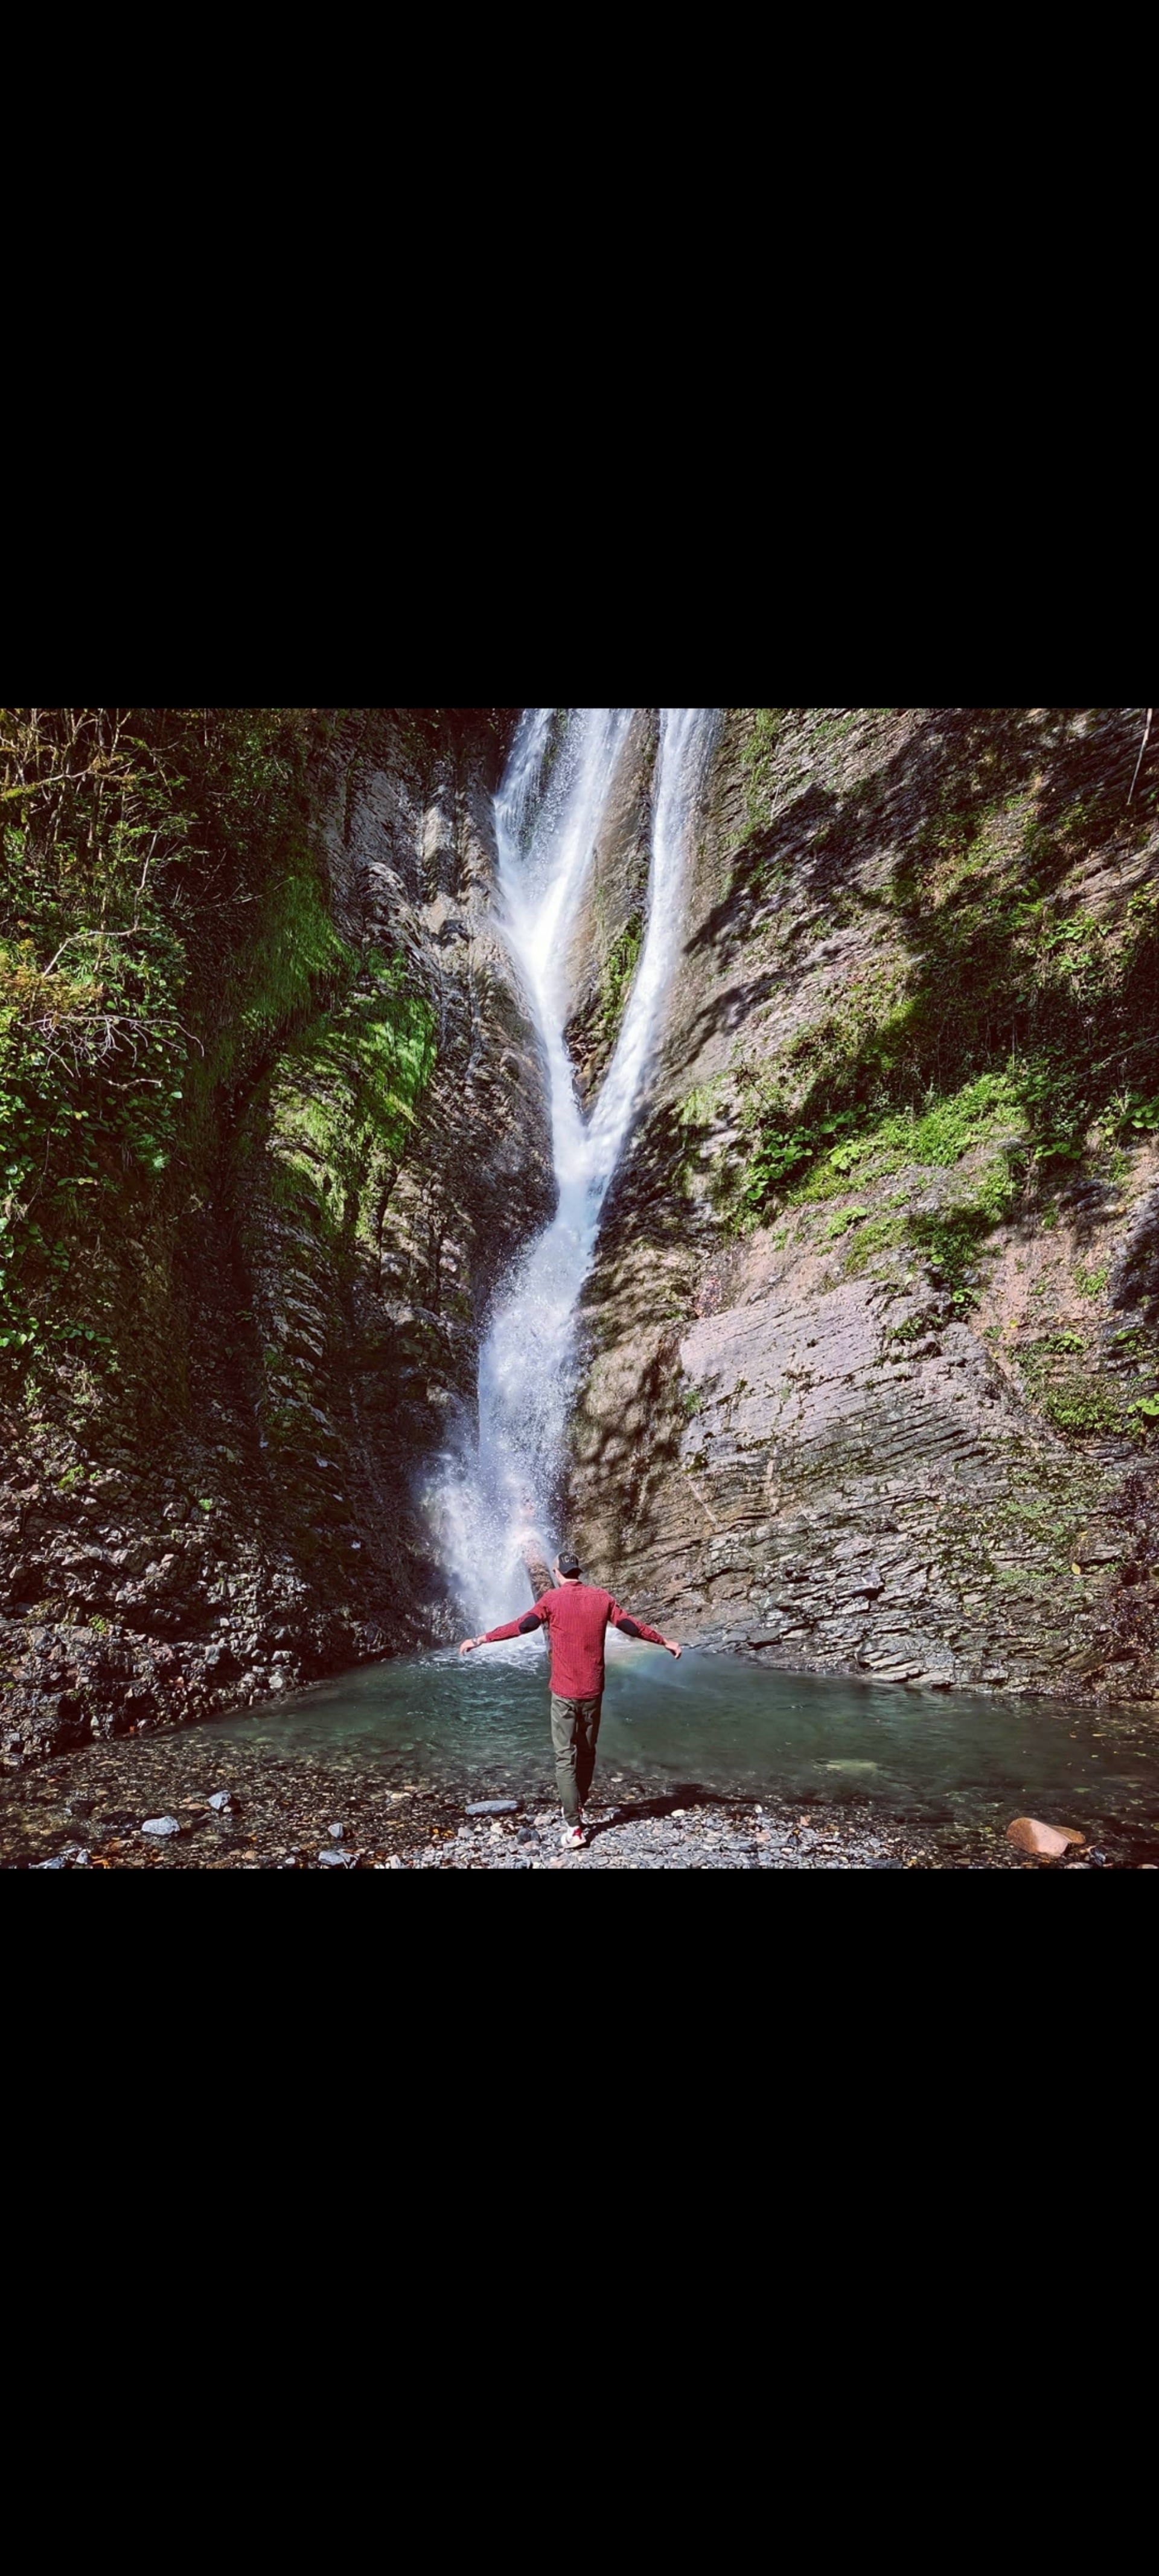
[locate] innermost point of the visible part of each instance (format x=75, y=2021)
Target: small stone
x=337, y=1833
x=1047, y=1842
x=164, y=1827
x=223, y=1802
x=331, y=1859
x=494, y=1807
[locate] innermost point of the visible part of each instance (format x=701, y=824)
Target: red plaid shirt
x=576, y=1617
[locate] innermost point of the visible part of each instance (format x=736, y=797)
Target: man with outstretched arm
x=576, y=1617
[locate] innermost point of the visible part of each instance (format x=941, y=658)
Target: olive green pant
x=575, y=1724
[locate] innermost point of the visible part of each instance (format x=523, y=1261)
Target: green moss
x=932, y=1138
x=878, y=1236
x=135, y=846
x=998, y=974
x=841, y=1222
x=758, y=759
x=346, y=1095
x=616, y=980
x=700, y=1105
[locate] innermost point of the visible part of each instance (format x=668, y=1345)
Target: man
x=576, y=1617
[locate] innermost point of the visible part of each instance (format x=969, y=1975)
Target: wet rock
x=164, y=1827
x=494, y=1807
x=1047, y=1842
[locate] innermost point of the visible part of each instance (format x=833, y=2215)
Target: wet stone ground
x=220, y=1807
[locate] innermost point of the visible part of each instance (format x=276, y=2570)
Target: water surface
x=480, y=1726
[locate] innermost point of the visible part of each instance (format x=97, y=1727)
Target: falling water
x=548, y=814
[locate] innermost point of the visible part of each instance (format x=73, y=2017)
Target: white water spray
x=486, y=1505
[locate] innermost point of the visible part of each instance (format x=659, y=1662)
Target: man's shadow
x=639, y=1811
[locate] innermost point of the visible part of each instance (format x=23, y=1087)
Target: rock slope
x=870, y=1345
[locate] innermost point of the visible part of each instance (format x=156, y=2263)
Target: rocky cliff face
x=227, y=1496
x=871, y=1353
x=607, y=937
x=870, y=1341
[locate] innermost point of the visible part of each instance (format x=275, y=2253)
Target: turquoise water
x=481, y=1726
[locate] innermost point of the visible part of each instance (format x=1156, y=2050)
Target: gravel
x=238, y=1808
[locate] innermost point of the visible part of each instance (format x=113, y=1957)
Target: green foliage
x=1082, y=1406
x=1076, y=1400
x=835, y=1154
x=1000, y=976
x=758, y=758
x=616, y=981
x=952, y=1238
x=840, y=1223
x=1129, y=1116
x=346, y=1094
x=161, y=923
x=879, y=1235
x=933, y=1138
x=699, y=1106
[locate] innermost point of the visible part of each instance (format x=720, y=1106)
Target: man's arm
x=514, y=1628
x=630, y=1627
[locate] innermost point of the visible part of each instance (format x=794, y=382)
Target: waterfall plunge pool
x=477, y=1727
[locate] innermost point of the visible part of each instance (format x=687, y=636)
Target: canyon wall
x=870, y=1340
x=213, y=1483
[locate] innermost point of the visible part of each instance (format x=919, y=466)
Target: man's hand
x=673, y=1648
x=468, y=1644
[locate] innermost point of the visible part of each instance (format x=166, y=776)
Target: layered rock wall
x=870, y=1351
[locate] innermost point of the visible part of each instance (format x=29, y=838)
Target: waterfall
x=548, y=814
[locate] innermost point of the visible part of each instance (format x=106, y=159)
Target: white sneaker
x=574, y=1838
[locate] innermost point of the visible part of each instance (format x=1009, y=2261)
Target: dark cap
x=567, y=1563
